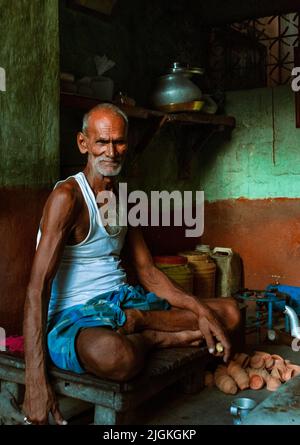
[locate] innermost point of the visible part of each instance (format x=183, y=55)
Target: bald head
x=105, y=110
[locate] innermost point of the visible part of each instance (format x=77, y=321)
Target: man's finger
x=208, y=338
x=39, y=421
x=213, y=327
x=226, y=345
x=59, y=420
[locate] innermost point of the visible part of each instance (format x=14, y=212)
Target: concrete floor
x=209, y=407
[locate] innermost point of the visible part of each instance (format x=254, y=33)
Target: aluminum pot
x=176, y=87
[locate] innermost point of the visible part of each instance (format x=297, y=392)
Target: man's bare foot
x=172, y=339
x=197, y=343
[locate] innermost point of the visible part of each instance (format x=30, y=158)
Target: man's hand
x=39, y=401
x=212, y=329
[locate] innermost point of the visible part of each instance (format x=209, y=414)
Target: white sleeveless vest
x=92, y=267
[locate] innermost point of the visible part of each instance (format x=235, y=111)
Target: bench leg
x=105, y=416
x=108, y=416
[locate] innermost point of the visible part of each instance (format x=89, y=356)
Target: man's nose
x=111, y=150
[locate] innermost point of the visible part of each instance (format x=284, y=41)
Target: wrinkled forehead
x=105, y=122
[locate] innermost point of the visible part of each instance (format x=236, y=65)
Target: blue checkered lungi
x=106, y=310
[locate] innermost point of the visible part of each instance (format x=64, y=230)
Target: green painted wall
x=262, y=159
x=29, y=109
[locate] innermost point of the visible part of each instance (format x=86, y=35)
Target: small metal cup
x=240, y=408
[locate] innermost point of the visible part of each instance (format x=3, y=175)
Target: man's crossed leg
x=120, y=355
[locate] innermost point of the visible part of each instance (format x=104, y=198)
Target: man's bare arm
x=154, y=280
x=59, y=217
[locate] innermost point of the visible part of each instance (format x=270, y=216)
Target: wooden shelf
x=76, y=101
x=86, y=103
x=198, y=118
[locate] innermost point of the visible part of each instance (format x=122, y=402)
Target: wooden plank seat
x=114, y=403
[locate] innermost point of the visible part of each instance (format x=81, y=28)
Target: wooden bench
x=113, y=403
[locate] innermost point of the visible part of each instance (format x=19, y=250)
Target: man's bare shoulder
x=66, y=192
x=65, y=200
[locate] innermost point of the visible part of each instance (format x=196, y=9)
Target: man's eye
x=116, y=143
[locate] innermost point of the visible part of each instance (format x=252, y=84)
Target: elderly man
x=79, y=309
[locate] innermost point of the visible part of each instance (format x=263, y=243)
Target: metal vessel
x=176, y=87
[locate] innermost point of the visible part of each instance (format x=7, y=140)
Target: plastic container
x=229, y=271
x=176, y=268
x=204, y=270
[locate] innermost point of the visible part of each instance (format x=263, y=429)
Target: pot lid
x=178, y=67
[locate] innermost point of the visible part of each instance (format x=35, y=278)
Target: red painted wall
x=266, y=234
x=20, y=212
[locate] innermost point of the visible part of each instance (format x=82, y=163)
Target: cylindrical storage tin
x=176, y=268
x=204, y=273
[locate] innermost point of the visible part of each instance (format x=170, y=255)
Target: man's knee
x=127, y=361
x=110, y=356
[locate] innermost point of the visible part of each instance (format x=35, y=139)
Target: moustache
x=104, y=159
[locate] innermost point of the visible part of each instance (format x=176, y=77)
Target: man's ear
x=81, y=142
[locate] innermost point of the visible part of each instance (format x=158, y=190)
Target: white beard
x=108, y=171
